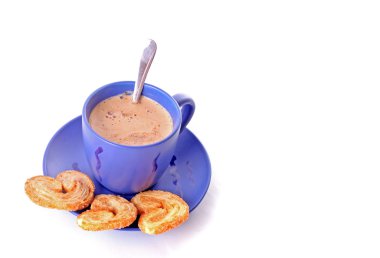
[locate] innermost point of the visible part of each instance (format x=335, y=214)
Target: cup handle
x=187, y=106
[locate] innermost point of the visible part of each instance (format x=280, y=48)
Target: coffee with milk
x=119, y=120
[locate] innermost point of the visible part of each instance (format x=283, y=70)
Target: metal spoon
x=145, y=62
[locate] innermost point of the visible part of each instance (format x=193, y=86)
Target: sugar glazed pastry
x=108, y=212
x=160, y=211
x=71, y=190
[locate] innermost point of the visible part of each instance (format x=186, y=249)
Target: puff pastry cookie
x=71, y=190
x=160, y=211
x=108, y=212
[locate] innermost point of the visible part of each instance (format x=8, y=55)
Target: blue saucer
x=188, y=175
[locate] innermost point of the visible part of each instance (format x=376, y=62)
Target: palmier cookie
x=160, y=211
x=108, y=212
x=71, y=190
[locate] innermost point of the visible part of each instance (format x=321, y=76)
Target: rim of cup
x=176, y=124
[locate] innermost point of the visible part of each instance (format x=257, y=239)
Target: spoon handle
x=145, y=62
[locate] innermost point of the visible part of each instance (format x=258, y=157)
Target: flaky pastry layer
x=108, y=212
x=160, y=211
x=71, y=190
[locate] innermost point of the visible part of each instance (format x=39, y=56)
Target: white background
x=288, y=108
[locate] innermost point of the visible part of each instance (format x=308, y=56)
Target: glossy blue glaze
x=131, y=169
x=188, y=174
x=187, y=110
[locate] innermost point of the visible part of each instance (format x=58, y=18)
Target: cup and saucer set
x=178, y=164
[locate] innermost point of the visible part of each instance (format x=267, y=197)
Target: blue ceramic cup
x=131, y=169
